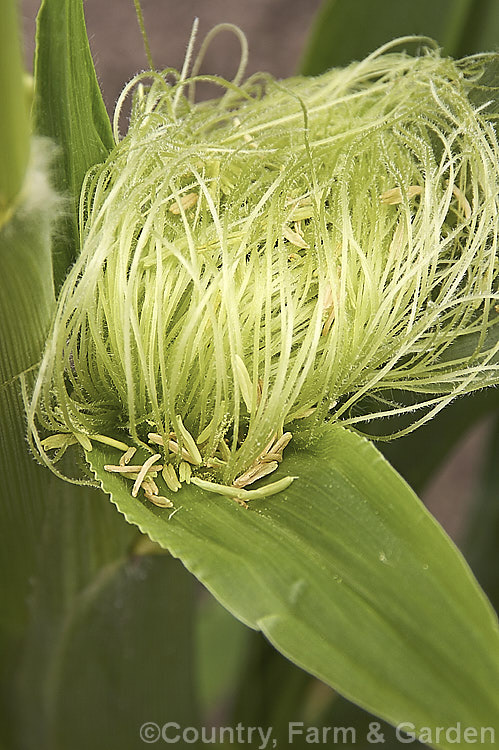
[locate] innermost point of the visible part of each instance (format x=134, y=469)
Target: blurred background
x=276, y=32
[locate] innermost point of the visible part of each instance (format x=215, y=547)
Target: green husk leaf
x=68, y=107
x=347, y=575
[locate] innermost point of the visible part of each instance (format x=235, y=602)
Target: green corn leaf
x=347, y=30
x=411, y=455
x=481, y=32
x=347, y=575
x=26, y=288
x=75, y=538
x=342, y=713
x=120, y=654
x=69, y=109
x=272, y=691
x=84, y=532
x=481, y=544
x=26, y=306
x=14, y=126
x=222, y=644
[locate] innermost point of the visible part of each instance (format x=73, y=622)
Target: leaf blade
x=97, y=650
x=304, y=569
x=34, y=503
x=483, y=532
x=69, y=109
x=333, y=43
x=14, y=127
x=482, y=29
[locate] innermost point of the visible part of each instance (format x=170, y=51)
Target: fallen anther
x=244, y=495
x=83, y=440
x=159, y=500
x=255, y=473
x=170, y=476
x=127, y=456
x=462, y=201
x=185, y=455
x=61, y=440
x=153, y=437
x=148, y=464
x=149, y=485
x=110, y=441
x=283, y=441
x=294, y=238
x=189, y=442
x=184, y=472
x=187, y=201
x=129, y=469
x=394, y=196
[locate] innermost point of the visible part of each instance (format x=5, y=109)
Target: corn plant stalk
x=14, y=123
